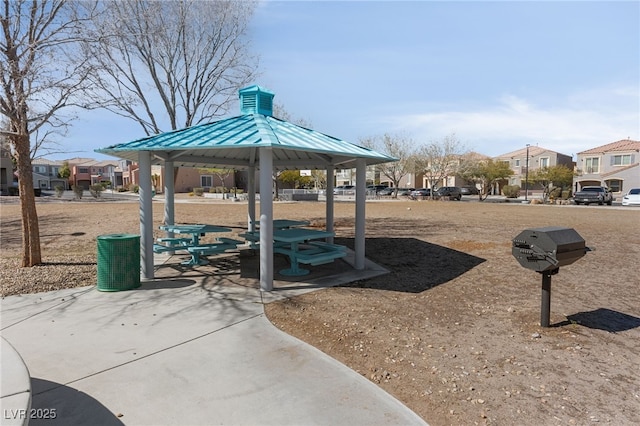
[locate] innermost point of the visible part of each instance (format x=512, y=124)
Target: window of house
x=206, y=181
x=83, y=170
x=592, y=165
x=517, y=163
x=621, y=160
x=544, y=162
x=39, y=169
x=615, y=185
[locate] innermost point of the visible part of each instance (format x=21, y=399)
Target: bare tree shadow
x=603, y=319
x=67, y=406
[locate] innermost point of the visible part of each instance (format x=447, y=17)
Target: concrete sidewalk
x=177, y=352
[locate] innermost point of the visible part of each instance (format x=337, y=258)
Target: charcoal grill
x=545, y=250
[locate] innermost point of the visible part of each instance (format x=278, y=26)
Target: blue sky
x=563, y=75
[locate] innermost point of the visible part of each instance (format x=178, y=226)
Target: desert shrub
x=135, y=189
x=96, y=190
x=566, y=194
x=59, y=190
x=199, y=192
x=78, y=191
x=555, y=193
x=511, y=191
x=121, y=189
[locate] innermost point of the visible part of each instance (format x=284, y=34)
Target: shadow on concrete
x=162, y=284
x=603, y=319
x=57, y=404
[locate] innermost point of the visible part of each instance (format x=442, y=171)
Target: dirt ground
x=453, y=330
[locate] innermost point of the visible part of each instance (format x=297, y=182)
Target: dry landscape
x=453, y=330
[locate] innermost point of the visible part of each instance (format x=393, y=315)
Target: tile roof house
x=538, y=158
x=615, y=165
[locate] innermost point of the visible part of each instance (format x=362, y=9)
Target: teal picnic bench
x=221, y=246
x=312, y=253
x=164, y=245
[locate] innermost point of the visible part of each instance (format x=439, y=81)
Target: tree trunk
x=31, y=254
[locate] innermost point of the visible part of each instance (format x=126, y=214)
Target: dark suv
x=453, y=192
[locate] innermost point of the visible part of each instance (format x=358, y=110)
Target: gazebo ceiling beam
x=198, y=159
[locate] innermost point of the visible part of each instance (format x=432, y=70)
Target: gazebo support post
x=266, y=219
x=251, y=192
x=329, y=202
x=169, y=199
x=146, y=216
x=361, y=198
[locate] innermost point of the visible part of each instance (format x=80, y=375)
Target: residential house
x=348, y=176
x=186, y=179
x=615, y=165
x=87, y=171
x=452, y=176
x=46, y=174
x=526, y=160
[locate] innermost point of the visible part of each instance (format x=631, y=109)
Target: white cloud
x=581, y=121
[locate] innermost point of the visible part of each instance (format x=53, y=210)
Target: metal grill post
x=546, y=299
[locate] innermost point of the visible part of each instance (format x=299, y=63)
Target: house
x=46, y=174
x=87, y=171
x=615, y=165
x=185, y=180
x=527, y=160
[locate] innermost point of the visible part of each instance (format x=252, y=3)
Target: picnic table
x=286, y=223
x=192, y=245
x=302, y=245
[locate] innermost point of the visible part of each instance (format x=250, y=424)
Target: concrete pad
x=194, y=349
x=15, y=389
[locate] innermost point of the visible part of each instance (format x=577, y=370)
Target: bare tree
x=396, y=146
x=39, y=79
x=171, y=64
x=471, y=167
x=281, y=113
x=439, y=160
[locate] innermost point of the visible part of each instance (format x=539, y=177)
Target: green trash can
x=118, y=262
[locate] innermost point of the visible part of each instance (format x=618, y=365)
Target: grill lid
x=548, y=248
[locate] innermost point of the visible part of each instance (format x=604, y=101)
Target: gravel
x=54, y=274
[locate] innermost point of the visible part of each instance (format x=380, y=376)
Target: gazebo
x=254, y=140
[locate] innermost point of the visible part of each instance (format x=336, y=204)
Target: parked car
x=453, y=192
x=344, y=190
x=420, y=192
x=376, y=188
x=593, y=194
x=632, y=198
x=405, y=191
x=386, y=191
x=469, y=190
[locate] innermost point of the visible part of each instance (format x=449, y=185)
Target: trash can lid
x=117, y=236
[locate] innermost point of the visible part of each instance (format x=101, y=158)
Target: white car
x=632, y=198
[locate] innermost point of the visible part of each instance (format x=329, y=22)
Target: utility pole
x=526, y=178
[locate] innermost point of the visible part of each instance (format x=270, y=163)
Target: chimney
x=256, y=100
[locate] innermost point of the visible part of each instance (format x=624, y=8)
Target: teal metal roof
x=235, y=142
